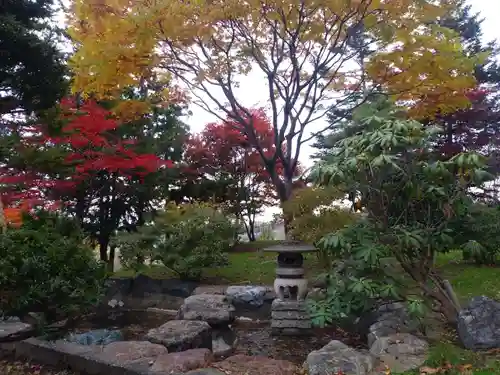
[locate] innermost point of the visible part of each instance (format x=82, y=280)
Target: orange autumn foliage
x=13, y=216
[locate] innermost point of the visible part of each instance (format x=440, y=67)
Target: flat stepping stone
x=215, y=309
x=180, y=362
x=13, y=328
x=181, y=335
x=125, y=353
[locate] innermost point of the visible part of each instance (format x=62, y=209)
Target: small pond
x=253, y=338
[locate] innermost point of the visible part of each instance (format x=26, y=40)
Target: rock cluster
x=400, y=352
x=201, y=341
x=388, y=319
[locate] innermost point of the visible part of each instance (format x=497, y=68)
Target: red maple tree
x=229, y=161
x=91, y=143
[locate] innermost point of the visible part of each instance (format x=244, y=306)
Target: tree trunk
x=250, y=229
x=140, y=222
x=284, y=191
x=103, y=249
x=436, y=292
x=111, y=260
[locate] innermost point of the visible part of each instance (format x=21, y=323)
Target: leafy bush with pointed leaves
x=409, y=197
x=185, y=238
x=45, y=267
x=357, y=280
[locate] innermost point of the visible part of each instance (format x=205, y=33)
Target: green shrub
x=477, y=232
x=136, y=246
x=46, y=268
x=313, y=217
x=185, y=238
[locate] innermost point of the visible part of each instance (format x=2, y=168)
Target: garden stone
x=388, y=319
x=96, y=337
x=12, y=327
x=180, y=335
x=247, y=294
x=386, y=328
x=181, y=362
x=224, y=342
x=336, y=357
x=125, y=353
x=400, y=352
x=210, y=289
x=255, y=365
x=479, y=324
x=214, y=309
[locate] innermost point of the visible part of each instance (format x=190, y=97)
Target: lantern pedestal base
x=290, y=318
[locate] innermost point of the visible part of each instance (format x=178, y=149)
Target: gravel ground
x=12, y=367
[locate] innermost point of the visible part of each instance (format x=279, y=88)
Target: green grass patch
x=469, y=280
x=257, y=268
x=453, y=360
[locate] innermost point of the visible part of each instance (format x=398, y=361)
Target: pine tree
x=31, y=66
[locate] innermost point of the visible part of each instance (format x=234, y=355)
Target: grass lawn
x=244, y=268
x=257, y=267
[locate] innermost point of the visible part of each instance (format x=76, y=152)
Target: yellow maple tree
x=311, y=53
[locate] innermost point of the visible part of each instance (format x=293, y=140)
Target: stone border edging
x=61, y=354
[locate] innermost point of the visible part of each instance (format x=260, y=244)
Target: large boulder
x=180, y=335
x=479, y=324
x=255, y=365
x=224, y=342
x=388, y=319
x=248, y=294
x=336, y=357
x=400, y=352
x=214, y=309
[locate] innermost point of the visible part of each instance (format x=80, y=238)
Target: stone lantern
x=289, y=314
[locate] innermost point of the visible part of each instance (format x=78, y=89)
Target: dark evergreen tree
x=31, y=66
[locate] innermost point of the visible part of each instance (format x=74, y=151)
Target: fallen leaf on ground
x=429, y=370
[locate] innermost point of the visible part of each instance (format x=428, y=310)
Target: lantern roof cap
x=291, y=247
